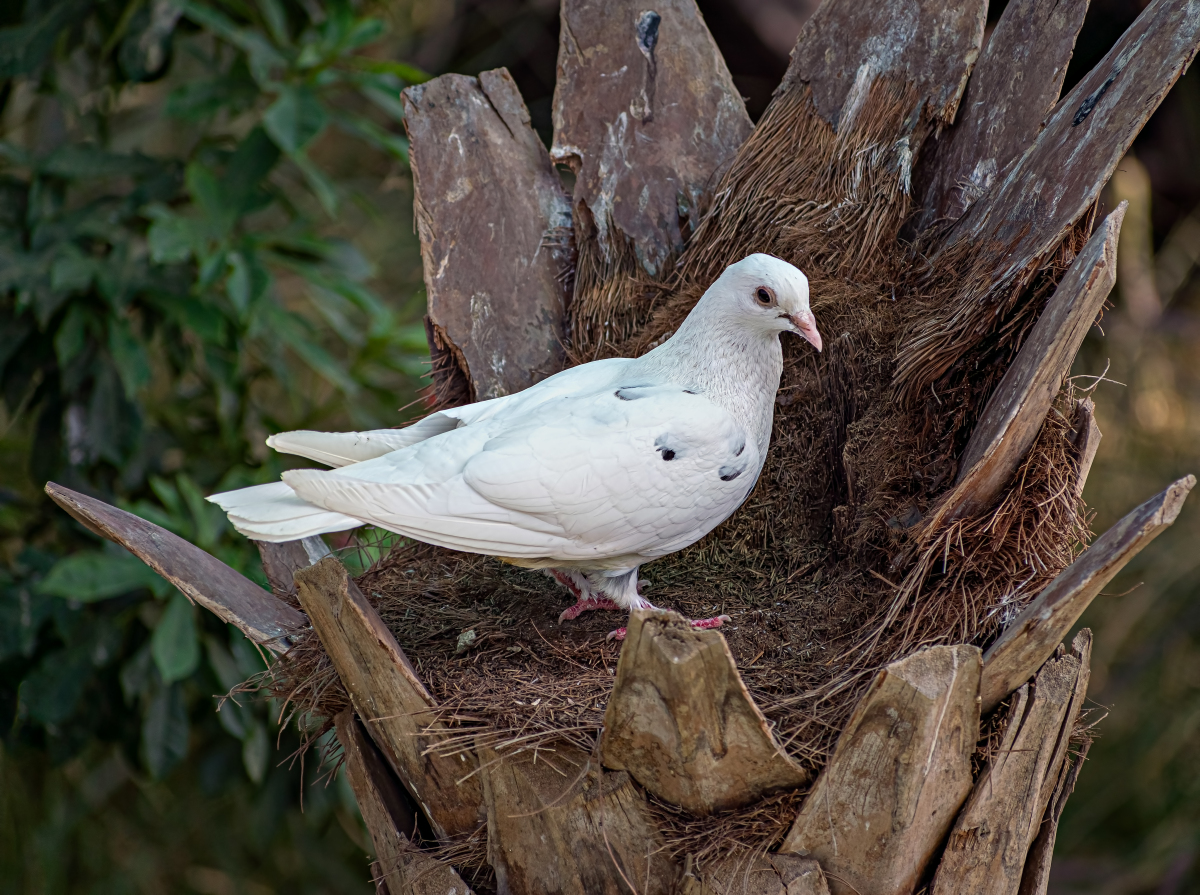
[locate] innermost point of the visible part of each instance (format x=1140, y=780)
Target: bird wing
x=641, y=469
x=338, y=449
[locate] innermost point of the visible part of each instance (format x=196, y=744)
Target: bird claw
x=703, y=624
x=586, y=604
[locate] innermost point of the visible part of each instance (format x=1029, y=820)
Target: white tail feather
x=339, y=449
x=275, y=513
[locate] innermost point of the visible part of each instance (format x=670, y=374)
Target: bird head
x=772, y=295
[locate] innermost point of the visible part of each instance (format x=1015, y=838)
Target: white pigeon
x=587, y=474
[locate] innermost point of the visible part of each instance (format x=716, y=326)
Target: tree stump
x=952, y=252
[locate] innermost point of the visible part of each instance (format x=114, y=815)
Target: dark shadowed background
x=206, y=235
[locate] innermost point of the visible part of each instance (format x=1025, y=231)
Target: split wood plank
x=1058, y=179
x=1036, y=879
x=1086, y=439
x=987, y=849
x=899, y=773
x=280, y=561
x=1015, y=412
x=682, y=723
x=557, y=822
x=1037, y=631
x=769, y=875
x=391, y=819
x=645, y=112
x=201, y=577
x=390, y=698
x=1013, y=88
x=494, y=224
x=846, y=45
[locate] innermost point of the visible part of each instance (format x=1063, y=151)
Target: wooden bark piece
x=1036, y=632
x=681, y=722
x=280, y=561
x=391, y=819
x=1016, y=410
x=494, y=224
x=986, y=852
x=1087, y=437
x=847, y=44
x=769, y=875
x=201, y=577
x=1014, y=86
x=645, y=112
x=900, y=771
x=558, y=823
x=389, y=697
x=1058, y=179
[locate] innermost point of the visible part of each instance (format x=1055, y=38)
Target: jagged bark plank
x=1012, y=89
x=201, y=577
x=556, y=822
x=281, y=561
x=769, y=875
x=899, y=773
x=987, y=849
x=390, y=698
x=1054, y=184
x=1037, y=631
x=1087, y=437
x=682, y=723
x=1016, y=410
x=391, y=819
x=645, y=112
x=494, y=225
x=846, y=45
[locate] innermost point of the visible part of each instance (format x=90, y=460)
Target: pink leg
x=583, y=603
x=703, y=624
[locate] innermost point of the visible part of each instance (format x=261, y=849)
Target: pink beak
x=805, y=326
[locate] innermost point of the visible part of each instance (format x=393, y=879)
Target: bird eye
x=765, y=296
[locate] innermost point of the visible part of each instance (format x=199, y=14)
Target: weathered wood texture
x=1016, y=410
x=1053, y=185
x=899, y=773
x=390, y=698
x=281, y=561
x=1036, y=878
x=987, y=849
x=391, y=819
x=644, y=112
x=556, y=822
x=494, y=224
x=769, y=875
x=682, y=723
x=1037, y=631
x=1086, y=437
x=1012, y=89
x=847, y=44
x=201, y=577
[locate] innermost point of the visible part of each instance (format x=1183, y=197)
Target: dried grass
x=830, y=570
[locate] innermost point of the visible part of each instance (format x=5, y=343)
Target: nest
x=831, y=569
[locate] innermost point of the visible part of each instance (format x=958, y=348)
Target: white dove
x=587, y=474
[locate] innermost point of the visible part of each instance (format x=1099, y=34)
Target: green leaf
x=92, y=575
x=172, y=238
x=248, y=167
x=256, y=750
x=174, y=644
x=366, y=129
x=292, y=332
x=80, y=161
x=128, y=355
x=24, y=47
x=295, y=118
x=210, y=197
x=248, y=280
x=71, y=335
x=71, y=272
x=210, y=521
x=409, y=73
x=22, y=613
x=276, y=20
x=165, y=731
x=51, y=692
x=318, y=183
x=264, y=59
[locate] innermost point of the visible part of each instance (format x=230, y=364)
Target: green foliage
x=173, y=286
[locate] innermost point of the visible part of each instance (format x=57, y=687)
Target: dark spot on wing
x=621, y=396
x=668, y=455
x=738, y=452
x=728, y=475
x=669, y=446
x=688, y=391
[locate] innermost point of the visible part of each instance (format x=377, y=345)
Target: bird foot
x=586, y=604
x=703, y=624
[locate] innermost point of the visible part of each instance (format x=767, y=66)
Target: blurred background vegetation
x=206, y=236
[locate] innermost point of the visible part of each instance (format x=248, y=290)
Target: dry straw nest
x=831, y=569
